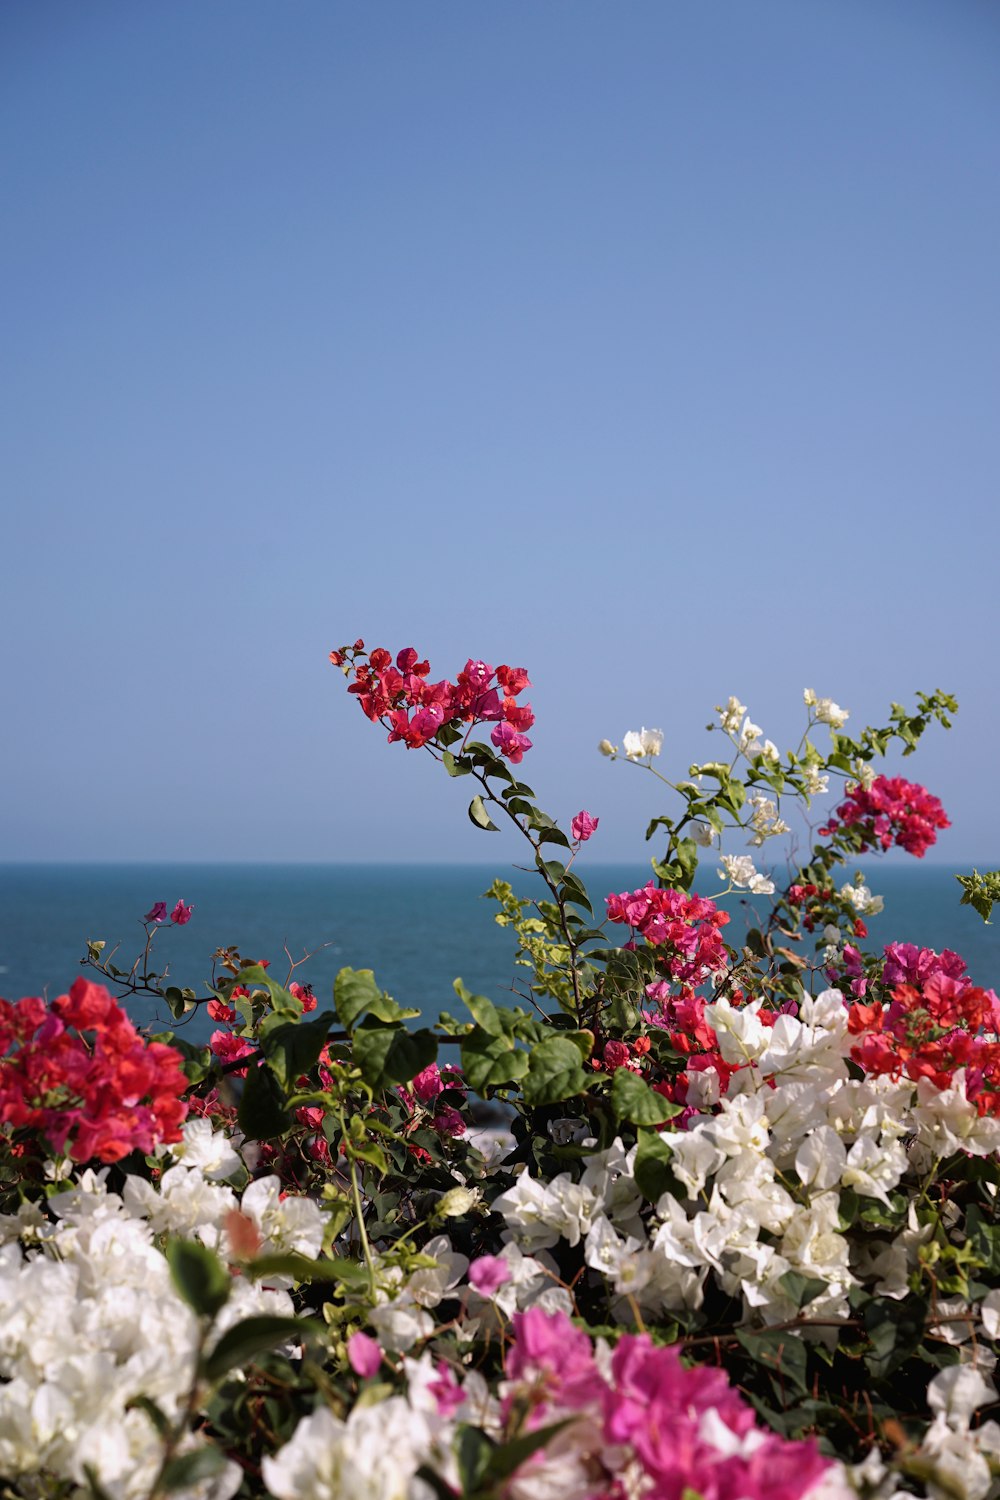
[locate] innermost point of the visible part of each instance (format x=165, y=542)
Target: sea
x=419, y=927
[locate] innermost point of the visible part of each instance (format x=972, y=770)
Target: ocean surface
x=418, y=926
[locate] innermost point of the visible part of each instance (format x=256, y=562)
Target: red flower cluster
x=931, y=1029
x=685, y=927
x=415, y=709
x=891, y=811
x=94, y=1096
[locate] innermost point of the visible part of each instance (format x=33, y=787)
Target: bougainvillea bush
x=693, y=1215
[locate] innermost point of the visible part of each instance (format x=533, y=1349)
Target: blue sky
x=651, y=346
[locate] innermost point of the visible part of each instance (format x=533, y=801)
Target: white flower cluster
x=860, y=897
x=740, y=871
x=763, y=1178
x=827, y=712
x=764, y=819
x=91, y=1320
x=639, y=743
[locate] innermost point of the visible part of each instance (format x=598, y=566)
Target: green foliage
x=980, y=892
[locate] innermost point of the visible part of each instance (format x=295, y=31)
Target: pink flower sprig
x=891, y=811
x=685, y=927
x=686, y=1428
x=416, y=710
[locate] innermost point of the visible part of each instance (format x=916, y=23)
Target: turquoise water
x=418, y=927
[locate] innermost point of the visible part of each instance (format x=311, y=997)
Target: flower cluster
x=635, y=1422
x=891, y=810
x=416, y=709
x=685, y=927
x=938, y=1025
x=79, y=1074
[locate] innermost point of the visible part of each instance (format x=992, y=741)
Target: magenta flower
x=428, y=1083
x=448, y=1121
x=364, y=1355
x=157, y=912
x=488, y=1274
x=510, y=743
x=180, y=913
x=582, y=826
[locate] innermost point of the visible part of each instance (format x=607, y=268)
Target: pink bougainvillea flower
x=364, y=1355
x=181, y=914
x=488, y=1274
x=582, y=826
x=510, y=743
x=428, y=1083
x=448, y=1121
x=616, y=1055
x=157, y=912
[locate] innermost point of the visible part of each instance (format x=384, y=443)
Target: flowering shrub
x=689, y=1218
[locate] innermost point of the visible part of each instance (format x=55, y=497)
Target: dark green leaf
x=189, y=1469
x=199, y=1276
x=491, y=1061
x=653, y=1173
x=779, y=1351
x=801, y=1289
x=633, y=1099
x=895, y=1329
x=391, y=1054
x=355, y=992
x=262, y=1114
x=293, y=1048
x=479, y=816
x=455, y=765
x=242, y=1343
x=554, y=1072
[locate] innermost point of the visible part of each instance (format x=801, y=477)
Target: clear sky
x=654, y=346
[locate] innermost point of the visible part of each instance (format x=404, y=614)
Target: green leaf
x=483, y=1011
x=242, y=1343
x=293, y=1047
x=508, y=1456
x=653, y=1157
x=779, y=1351
x=490, y=1061
x=355, y=992
x=155, y=1413
x=472, y=1450
x=391, y=1054
x=190, y=1468
x=633, y=1099
x=479, y=816
x=300, y=1267
x=199, y=1276
x=574, y=890
x=895, y=1329
x=554, y=1072
x=262, y=1114
x=454, y=765
x=801, y=1289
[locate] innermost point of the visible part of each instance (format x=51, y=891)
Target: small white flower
x=637, y=744
x=702, y=833
x=749, y=740
x=606, y=748
x=828, y=712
